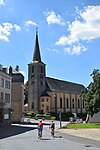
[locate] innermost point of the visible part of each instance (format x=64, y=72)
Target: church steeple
x=36, y=79
x=37, y=56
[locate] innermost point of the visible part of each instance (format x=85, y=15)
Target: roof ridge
x=61, y=80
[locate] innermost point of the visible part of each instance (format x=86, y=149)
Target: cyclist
x=52, y=127
x=40, y=128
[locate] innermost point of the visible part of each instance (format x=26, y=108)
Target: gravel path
x=87, y=133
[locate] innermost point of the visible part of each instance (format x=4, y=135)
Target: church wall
x=45, y=104
x=69, y=102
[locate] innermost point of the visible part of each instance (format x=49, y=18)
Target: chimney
x=10, y=70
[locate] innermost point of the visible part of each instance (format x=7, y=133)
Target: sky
x=68, y=32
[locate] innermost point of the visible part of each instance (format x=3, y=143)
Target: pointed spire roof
x=37, y=56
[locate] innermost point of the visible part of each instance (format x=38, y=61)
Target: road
x=24, y=137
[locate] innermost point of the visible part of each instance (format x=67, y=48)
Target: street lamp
x=60, y=112
x=55, y=96
x=60, y=118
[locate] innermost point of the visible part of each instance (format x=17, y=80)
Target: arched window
x=41, y=69
x=83, y=103
x=32, y=105
x=73, y=103
x=67, y=103
x=78, y=103
x=60, y=102
x=32, y=69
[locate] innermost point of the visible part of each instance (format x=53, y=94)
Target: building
x=17, y=93
x=5, y=97
x=11, y=95
x=47, y=94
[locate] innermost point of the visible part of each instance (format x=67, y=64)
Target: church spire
x=37, y=56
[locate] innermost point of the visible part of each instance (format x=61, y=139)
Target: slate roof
x=37, y=56
x=45, y=93
x=65, y=86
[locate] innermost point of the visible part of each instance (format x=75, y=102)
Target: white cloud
x=52, y=18
x=2, y=2
x=53, y=50
x=75, y=49
x=6, y=30
x=63, y=40
x=17, y=28
x=30, y=23
x=85, y=28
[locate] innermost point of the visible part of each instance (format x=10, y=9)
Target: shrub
x=82, y=116
x=65, y=116
x=30, y=114
x=47, y=114
x=39, y=115
x=53, y=118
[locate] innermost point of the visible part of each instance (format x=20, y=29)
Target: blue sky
x=69, y=36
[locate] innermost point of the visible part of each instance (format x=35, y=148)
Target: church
x=47, y=94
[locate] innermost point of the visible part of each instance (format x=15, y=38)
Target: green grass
x=80, y=126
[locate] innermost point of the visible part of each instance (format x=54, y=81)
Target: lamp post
x=55, y=96
x=60, y=118
x=60, y=113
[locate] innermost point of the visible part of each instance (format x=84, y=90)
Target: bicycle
x=52, y=132
x=39, y=134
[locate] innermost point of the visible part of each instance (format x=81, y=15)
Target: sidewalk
x=93, y=134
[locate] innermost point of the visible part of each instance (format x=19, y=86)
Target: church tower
x=36, y=79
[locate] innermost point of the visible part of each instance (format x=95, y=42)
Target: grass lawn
x=80, y=125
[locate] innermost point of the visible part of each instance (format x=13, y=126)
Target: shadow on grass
x=97, y=124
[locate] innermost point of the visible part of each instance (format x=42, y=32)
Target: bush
x=30, y=114
x=82, y=116
x=64, y=116
x=52, y=113
x=47, y=114
x=53, y=118
x=39, y=116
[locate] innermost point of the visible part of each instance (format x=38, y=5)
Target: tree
x=95, y=89
x=91, y=95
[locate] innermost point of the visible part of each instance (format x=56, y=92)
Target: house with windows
x=17, y=94
x=5, y=97
x=46, y=94
x=11, y=95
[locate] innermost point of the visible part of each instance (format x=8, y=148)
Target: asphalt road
x=24, y=137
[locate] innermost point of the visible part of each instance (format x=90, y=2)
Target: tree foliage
x=91, y=95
